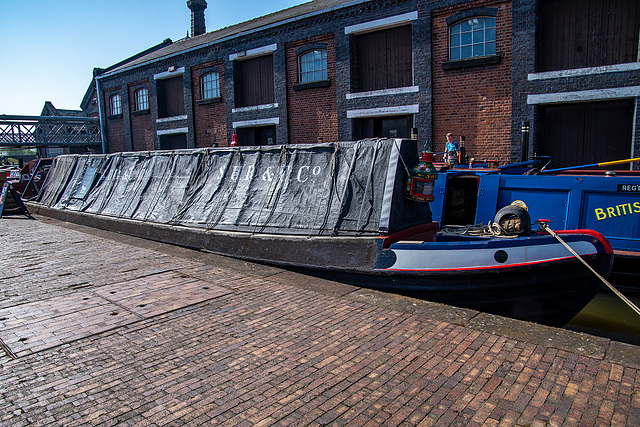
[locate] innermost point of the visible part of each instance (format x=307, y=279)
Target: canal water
x=610, y=317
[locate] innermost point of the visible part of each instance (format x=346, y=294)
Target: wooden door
x=257, y=81
x=585, y=133
x=384, y=59
x=587, y=33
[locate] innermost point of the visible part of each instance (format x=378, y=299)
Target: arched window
x=312, y=66
x=472, y=37
x=210, y=85
x=142, y=99
x=115, y=104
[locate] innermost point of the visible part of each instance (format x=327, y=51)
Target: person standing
x=451, y=151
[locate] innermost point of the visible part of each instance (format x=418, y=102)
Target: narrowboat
x=357, y=212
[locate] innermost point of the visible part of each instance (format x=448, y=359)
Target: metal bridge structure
x=49, y=131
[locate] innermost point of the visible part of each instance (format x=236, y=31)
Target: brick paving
x=199, y=340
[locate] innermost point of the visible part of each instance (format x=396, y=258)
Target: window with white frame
x=312, y=66
x=210, y=85
x=142, y=99
x=472, y=38
x=115, y=104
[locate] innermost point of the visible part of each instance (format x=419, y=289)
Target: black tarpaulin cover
x=347, y=188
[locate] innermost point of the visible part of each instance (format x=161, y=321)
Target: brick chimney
x=197, y=16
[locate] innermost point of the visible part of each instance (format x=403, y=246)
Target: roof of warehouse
x=276, y=18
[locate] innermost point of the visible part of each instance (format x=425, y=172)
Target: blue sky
x=49, y=48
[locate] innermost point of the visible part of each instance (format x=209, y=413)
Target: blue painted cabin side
x=607, y=204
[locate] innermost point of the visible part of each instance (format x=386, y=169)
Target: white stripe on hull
x=461, y=258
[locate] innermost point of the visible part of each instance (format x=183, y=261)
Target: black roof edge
x=97, y=71
x=166, y=42
x=252, y=27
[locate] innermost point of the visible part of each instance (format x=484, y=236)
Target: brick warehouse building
x=349, y=69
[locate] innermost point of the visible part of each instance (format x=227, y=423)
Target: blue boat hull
x=607, y=204
x=531, y=278
x=551, y=294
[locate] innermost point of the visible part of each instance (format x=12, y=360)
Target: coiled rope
x=493, y=229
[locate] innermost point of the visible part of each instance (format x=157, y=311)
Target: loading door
x=384, y=127
x=585, y=133
x=461, y=200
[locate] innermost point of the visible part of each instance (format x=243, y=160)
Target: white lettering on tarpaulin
x=249, y=174
x=303, y=175
x=300, y=174
x=617, y=211
x=268, y=175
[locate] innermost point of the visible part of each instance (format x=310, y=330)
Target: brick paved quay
x=104, y=329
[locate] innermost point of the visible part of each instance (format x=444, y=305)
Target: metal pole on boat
x=546, y=228
x=524, y=155
x=594, y=165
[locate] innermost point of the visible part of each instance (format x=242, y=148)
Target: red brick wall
x=474, y=101
x=210, y=118
x=115, y=126
x=141, y=124
x=313, y=111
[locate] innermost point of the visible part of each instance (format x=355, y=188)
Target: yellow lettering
x=624, y=209
x=618, y=209
x=610, y=212
x=636, y=207
x=600, y=215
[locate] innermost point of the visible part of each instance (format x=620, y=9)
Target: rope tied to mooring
x=544, y=226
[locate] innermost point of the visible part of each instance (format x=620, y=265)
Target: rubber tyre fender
x=514, y=212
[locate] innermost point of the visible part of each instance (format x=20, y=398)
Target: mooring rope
x=480, y=230
x=634, y=307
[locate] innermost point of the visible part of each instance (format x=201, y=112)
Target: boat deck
x=101, y=327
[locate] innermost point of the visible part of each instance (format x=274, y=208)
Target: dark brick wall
x=486, y=103
x=346, y=72
x=523, y=63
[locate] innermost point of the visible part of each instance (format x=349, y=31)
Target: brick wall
x=115, y=125
x=210, y=119
x=312, y=112
x=474, y=101
x=141, y=124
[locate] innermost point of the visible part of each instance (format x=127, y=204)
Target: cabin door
x=461, y=200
